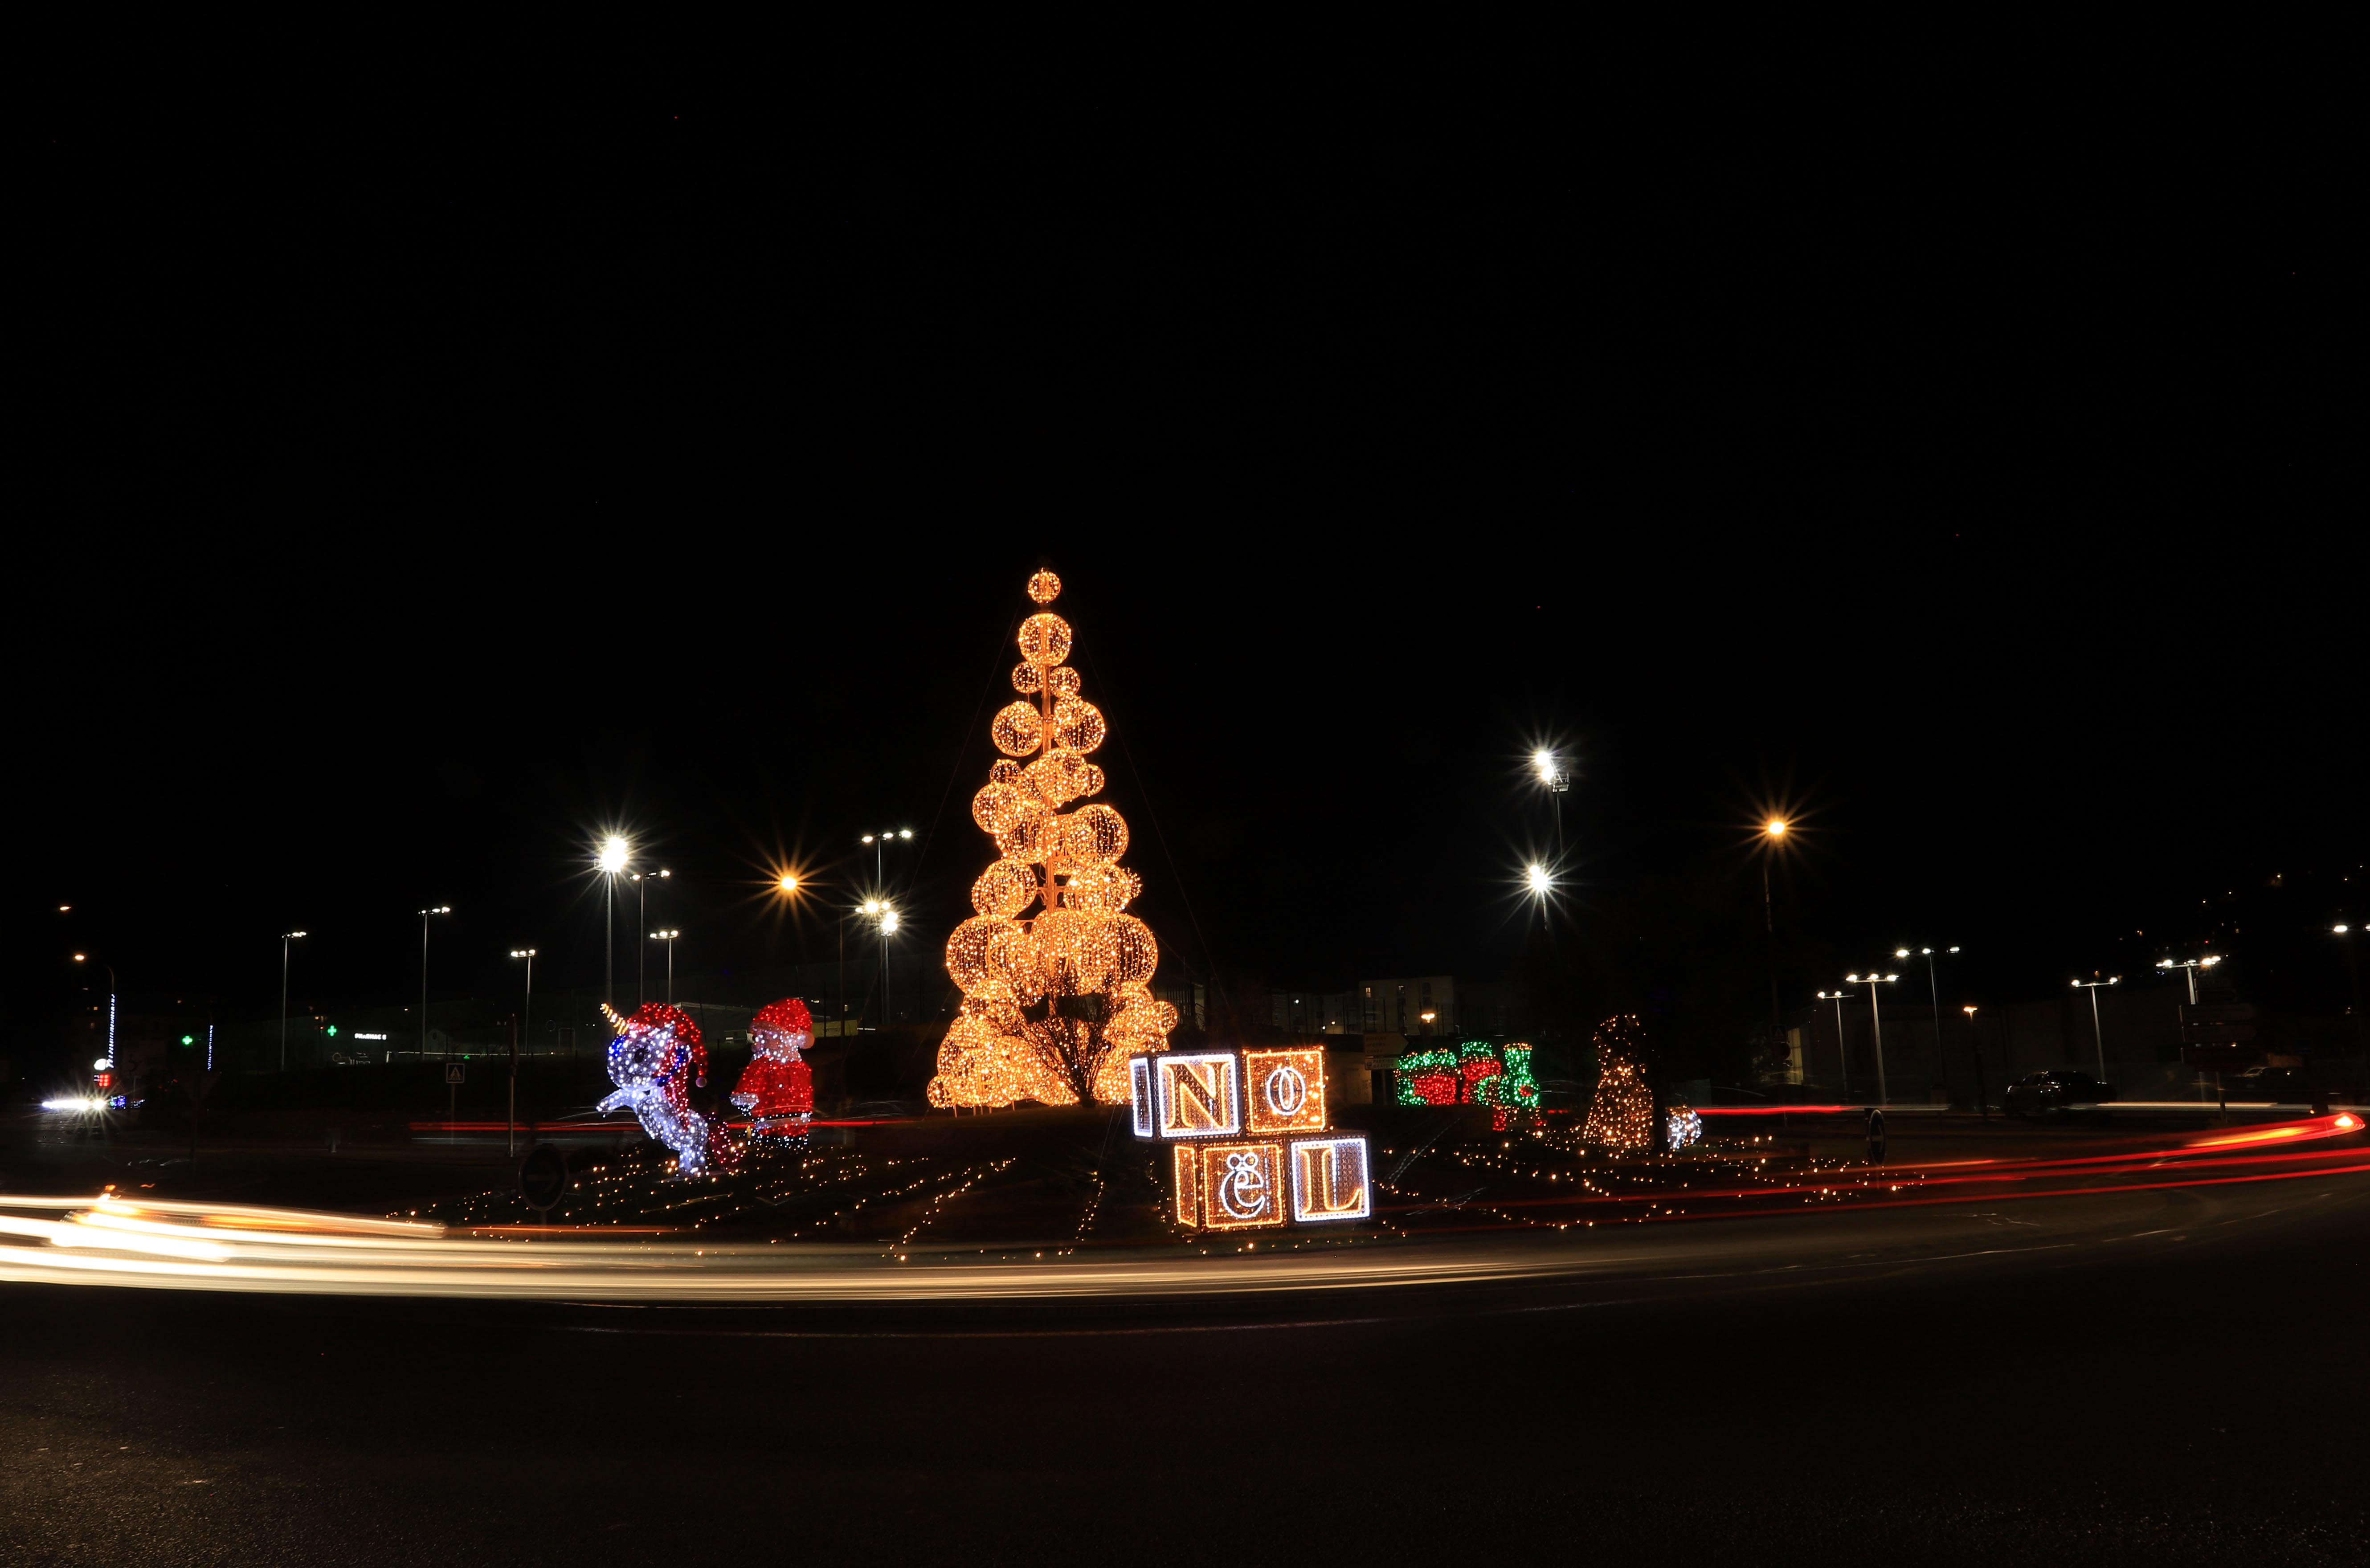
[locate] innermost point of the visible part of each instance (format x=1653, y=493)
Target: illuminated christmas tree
x=1055, y=974
x=1622, y=1114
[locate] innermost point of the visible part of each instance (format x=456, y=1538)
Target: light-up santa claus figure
x=777, y=1087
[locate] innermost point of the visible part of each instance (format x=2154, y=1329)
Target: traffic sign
x=2217, y=1034
x=2216, y=1012
x=544, y=1176
x=456, y=1072
x=2221, y=1058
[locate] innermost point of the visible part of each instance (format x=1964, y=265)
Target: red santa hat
x=789, y=1015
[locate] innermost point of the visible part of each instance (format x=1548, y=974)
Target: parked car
x=2036, y=1094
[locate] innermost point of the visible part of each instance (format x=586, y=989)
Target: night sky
x=418, y=489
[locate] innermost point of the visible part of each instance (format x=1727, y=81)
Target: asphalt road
x=2165, y=1377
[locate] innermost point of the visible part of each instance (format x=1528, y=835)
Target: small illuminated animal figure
x=654, y=1061
x=777, y=1087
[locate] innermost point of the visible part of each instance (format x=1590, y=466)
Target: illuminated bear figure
x=777, y=1087
x=655, y=1060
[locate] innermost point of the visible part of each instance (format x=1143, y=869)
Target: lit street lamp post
x=886, y=917
x=2189, y=968
x=1934, y=990
x=1983, y=1105
x=668, y=938
x=1773, y=833
x=614, y=852
x=439, y=909
x=1876, y=1018
x=2098, y=1030
x=286, y=937
x=1556, y=780
x=1843, y=1057
x=2354, y=976
x=643, y=880
x=526, y=1021
x=109, y=1066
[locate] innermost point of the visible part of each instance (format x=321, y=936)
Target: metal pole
x=670, y=971
x=284, y=1004
x=1933, y=992
x=1876, y=1018
x=1769, y=930
x=1841, y=1056
x=842, y=977
x=509, y=1117
x=609, y=948
x=644, y=883
x=2098, y=1032
x=423, y=984
x=881, y=921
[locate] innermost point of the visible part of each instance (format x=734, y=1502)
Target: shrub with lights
x=1475, y=1073
x=1055, y=974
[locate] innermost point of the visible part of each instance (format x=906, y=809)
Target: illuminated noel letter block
x=1329, y=1179
x=1139, y=1093
x=1197, y=1096
x=1242, y=1185
x=1187, y=1161
x=1286, y=1090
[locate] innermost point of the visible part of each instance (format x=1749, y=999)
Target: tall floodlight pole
x=885, y=918
x=286, y=937
x=1556, y=780
x=1843, y=1057
x=439, y=909
x=1975, y=1043
x=2098, y=1030
x=668, y=938
x=526, y=1022
x=84, y=958
x=2189, y=968
x=1877, y=1019
x=643, y=879
x=2344, y=930
x=614, y=853
x=1773, y=833
x=1934, y=990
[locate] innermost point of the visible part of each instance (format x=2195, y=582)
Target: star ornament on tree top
x=1055, y=974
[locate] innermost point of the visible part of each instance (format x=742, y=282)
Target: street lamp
x=2098, y=1030
x=1873, y=982
x=526, y=1017
x=1975, y=1042
x=611, y=859
x=526, y=1021
x=1537, y=880
x=643, y=879
x=2354, y=976
x=1773, y=833
x=1841, y=1056
x=2189, y=968
x=84, y=958
x=286, y=937
x=879, y=908
x=1934, y=990
x=439, y=909
x=668, y=938
x=1556, y=780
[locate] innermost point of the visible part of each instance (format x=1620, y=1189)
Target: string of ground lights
x=114, y=1241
